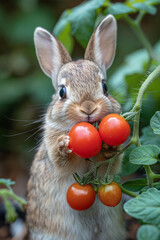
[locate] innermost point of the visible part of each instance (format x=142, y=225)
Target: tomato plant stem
x=155, y=175
x=108, y=161
x=127, y=191
x=135, y=139
x=149, y=176
x=114, y=158
x=135, y=25
x=154, y=75
x=138, y=104
x=4, y=193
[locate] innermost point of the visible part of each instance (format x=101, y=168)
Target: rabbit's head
x=81, y=91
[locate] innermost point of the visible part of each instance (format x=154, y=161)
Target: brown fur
x=48, y=215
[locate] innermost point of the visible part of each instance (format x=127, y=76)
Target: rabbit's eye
x=105, y=89
x=62, y=93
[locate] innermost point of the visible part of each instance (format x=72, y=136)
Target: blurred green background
x=25, y=91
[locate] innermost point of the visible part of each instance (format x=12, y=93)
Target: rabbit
x=81, y=96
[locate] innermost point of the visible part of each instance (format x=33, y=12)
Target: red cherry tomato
x=80, y=197
x=85, y=140
x=110, y=194
x=114, y=129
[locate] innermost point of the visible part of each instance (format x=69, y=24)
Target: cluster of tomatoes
x=82, y=197
x=86, y=142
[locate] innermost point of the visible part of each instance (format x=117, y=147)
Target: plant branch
x=135, y=25
x=137, y=107
x=7, y=193
x=154, y=175
x=149, y=176
x=154, y=75
x=110, y=161
x=127, y=191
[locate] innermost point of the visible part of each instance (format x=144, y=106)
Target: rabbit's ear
x=50, y=52
x=102, y=45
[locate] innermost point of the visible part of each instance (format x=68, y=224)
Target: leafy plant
x=143, y=149
x=7, y=195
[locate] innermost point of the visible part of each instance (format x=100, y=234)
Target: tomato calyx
x=84, y=180
x=87, y=179
x=95, y=181
x=96, y=124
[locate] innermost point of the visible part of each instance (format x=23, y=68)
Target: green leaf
x=145, y=7
x=148, y=232
x=6, y=182
x=127, y=167
x=145, y=207
x=148, y=2
x=119, y=8
x=66, y=38
x=148, y=137
x=62, y=23
x=155, y=123
x=135, y=185
x=145, y=155
x=117, y=179
x=82, y=20
x=153, y=2
x=11, y=214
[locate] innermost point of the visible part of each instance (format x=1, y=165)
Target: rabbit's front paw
x=63, y=143
x=109, y=151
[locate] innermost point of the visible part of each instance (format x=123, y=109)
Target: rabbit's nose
x=88, y=107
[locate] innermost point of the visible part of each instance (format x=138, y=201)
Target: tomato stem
x=108, y=161
x=109, y=168
x=127, y=191
x=5, y=193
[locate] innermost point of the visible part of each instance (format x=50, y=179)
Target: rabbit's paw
x=109, y=151
x=63, y=143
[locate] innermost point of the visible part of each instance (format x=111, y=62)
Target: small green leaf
x=145, y=7
x=82, y=20
x=145, y=155
x=119, y=8
x=148, y=232
x=127, y=167
x=135, y=185
x=148, y=137
x=6, y=182
x=145, y=206
x=155, y=123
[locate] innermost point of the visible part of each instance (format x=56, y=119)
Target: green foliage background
x=25, y=91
